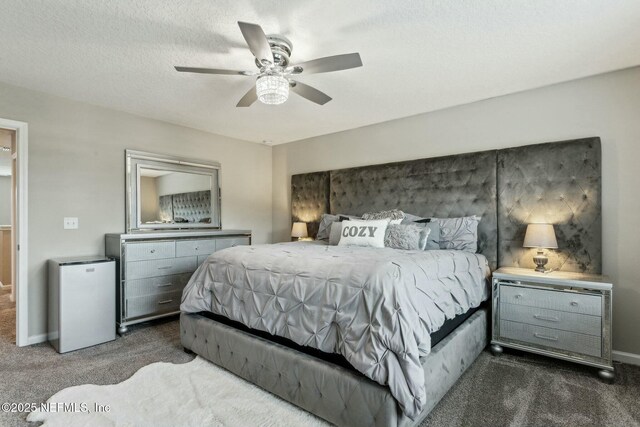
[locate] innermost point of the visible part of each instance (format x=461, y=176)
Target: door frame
x=20, y=230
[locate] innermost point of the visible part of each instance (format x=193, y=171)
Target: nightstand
x=558, y=314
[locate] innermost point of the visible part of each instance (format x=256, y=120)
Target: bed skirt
x=339, y=395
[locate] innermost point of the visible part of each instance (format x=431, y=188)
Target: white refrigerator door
x=87, y=305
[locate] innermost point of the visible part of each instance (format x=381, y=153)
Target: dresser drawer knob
x=518, y=296
x=153, y=251
x=546, y=318
x=545, y=337
x=574, y=303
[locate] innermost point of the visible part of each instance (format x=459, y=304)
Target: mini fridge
x=82, y=302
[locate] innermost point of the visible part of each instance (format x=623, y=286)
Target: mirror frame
x=135, y=160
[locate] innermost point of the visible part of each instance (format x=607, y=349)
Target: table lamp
x=299, y=230
x=540, y=236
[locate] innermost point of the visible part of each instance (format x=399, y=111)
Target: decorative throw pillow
x=325, y=226
x=406, y=236
x=334, y=235
x=363, y=233
x=433, y=239
x=459, y=233
x=409, y=218
x=394, y=216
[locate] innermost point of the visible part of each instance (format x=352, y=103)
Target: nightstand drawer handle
x=545, y=337
x=547, y=318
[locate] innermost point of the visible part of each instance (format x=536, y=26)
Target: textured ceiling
x=418, y=56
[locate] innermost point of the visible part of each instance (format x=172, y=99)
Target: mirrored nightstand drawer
x=550, y=299
x=552, y=338
x=571, y=322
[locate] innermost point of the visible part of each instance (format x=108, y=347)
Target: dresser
x=153, y=268
x=558, y=314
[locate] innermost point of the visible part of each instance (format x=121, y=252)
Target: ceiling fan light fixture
x=272, y=89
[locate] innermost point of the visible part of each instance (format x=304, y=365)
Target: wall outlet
x=70, y=223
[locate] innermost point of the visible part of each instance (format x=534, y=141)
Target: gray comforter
x=376, y=307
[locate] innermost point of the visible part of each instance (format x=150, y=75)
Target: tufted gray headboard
x=554, y=182
x=194, y=206
x=558, y=183
x=448, y=186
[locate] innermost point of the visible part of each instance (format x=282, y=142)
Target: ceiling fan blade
x=311, y=93
x=212, y=71
x=248, y=98
x=328, y=64
x=257, y=41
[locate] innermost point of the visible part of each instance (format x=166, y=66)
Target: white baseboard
x=624, y=357
x=37, y=339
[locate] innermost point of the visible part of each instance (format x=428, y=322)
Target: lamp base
x=540, y=260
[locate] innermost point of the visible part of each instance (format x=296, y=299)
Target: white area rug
x=197, y=393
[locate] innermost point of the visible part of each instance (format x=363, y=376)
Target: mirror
x=171, y=193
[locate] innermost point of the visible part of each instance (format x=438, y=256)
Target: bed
x=376, y=307
x=442, y=333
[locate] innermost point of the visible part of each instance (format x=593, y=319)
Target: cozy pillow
x=459, y=233
x=334, y=235
x=433, y=238
x=363, y=233
x=406, y=236
x=394, y=216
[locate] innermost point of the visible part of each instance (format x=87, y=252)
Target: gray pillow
x=334, y=235
x=325, y=226
x=433, y=240
x=459, y=233
x=394, y=216
x=405, y=236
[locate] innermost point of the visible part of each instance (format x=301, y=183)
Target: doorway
x=13, y=232
x=7, y=213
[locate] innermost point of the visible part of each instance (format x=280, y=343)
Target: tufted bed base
x=336, y=394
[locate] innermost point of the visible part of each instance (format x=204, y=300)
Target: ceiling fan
x=274, y=75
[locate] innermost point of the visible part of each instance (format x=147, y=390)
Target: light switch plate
x=70, y=223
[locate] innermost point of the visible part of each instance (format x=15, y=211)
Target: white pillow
x=363, y=233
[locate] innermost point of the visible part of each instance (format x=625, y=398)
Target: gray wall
x=5, y=200
x=176, y=183
x=607, y=106
x=76, y=168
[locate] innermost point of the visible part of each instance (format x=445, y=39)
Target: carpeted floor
x=513, y=390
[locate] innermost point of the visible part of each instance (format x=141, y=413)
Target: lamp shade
x=299, y=229
x=540, y=236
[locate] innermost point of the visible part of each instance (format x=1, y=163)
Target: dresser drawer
x=572, y=322
x=152, y=304
x=195, y=247
x=149, y=250
x=552, y=338
x=550, y=299
x=160, y=267
x=230, y=242
x=156, y=285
